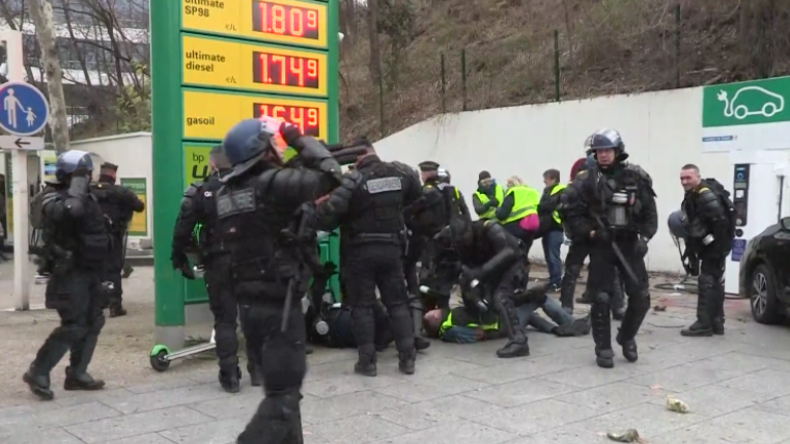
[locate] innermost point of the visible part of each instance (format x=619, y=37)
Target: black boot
x=117, y=310
x=718, y=309
x=256, y=377
x=406, y=362
x=403, y=331
x=634, y=315
x=703, y=326
x=417, y=311
x=421, y=343
x=602, y=331
x=363, y=325
x=230, y=379
x=38, y=383
x=77, y=377
x=584, y=298
x=569, y=287
x=517, y=345
x=277, y=420
x=48, y=356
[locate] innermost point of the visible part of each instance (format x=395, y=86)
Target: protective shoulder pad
x=192, y=189
x=641, y=172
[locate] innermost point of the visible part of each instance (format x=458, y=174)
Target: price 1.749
x=286, y=70
x=308, y=119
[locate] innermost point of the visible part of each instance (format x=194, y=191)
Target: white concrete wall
x=132, y=153
x=662, y=131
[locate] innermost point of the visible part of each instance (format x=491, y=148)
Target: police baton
x=619, y=254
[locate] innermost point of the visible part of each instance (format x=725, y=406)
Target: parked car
x=765, y=273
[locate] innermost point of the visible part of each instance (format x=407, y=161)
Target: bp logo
x=751, y=101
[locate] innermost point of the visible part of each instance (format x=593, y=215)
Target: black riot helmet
x=606, y=139
x=677, y=224
x=246, y=141
x=69, y=162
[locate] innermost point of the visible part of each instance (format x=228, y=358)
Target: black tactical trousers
x=79, y=301
x=224, y=307
x=368, y=266
x=603, y=266
x=283, y=366
x=710, y=301
x=574, y=261
x=112, y=272
x=439, y=272
x=503, y=292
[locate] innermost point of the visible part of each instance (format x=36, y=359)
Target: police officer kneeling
x=494, y=258
x=613, y=206
x=77, y=244
x=255, y=210
x=368, y=207
x=706, y=224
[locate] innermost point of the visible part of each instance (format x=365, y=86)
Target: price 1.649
x=285, y=70
x=308, y=119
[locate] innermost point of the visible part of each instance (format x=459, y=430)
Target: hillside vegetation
x=603, y=47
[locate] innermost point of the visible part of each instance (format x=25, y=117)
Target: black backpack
x=726, y=202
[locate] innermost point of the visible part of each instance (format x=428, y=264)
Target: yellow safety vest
x=556, y=215
x=525, y=202
x=499, y=194
x=448, y=324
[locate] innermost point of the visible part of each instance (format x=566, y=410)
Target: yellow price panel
x=196, y=167
x=209, y=115
x=228, y=64
x=291, y=22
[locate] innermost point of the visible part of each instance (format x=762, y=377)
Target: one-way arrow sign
x=14, y=143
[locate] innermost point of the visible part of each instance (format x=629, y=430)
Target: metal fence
x=612, y=56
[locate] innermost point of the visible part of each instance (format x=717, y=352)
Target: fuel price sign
x=215, y=62
x=292, y=22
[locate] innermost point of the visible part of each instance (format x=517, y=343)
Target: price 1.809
x=308, y=119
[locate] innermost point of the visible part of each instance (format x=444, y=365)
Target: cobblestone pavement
x=738, y=388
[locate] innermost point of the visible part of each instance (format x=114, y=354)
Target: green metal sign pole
x=214, y=63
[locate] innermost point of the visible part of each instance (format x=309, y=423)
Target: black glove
x=290, y=133
x=187, y=272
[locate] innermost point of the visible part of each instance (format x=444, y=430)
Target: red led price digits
x=292, y=21
x=284, y=70
x=306, y=118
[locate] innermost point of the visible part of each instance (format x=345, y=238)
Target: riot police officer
x=118, y=203
x=368, y=208
x=199, y=213
x=705, y=224
x=426, y=217
x=578, y=251
x=613, y=206
x=255, y=227
x=77, y=244
x=493, y=260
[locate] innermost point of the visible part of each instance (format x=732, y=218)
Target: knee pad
x=573, y=270
x=602, y=298
x=71, y=333
x=706, y=282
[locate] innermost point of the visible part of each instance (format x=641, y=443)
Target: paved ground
x=738, y=387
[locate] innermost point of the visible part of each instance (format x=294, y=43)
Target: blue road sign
x=23, y=109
